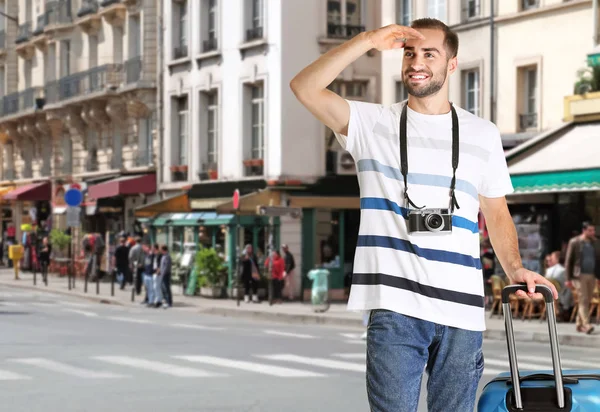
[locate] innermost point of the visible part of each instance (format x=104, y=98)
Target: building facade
x=78, y=80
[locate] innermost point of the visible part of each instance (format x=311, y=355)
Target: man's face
x=425, y=66
x=590, y=232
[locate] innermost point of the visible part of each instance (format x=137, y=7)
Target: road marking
x=359, y=356
x=11, y=304
x=77, y=305
x=66, y=369
x=522, y=365
x=252, y=367
x=356, y=342
x=325, y=363
x=288, y=334
x=492, y=371
x=547, y=360
x=351, y=335
x=11, y=376
x=133, y=320
x=154, y=366
x=82, y=312
x=44, y=304
x=201, y=327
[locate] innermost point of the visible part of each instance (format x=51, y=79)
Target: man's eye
x=408, y=54
x=428, y=55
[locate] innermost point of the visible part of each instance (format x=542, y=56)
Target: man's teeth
x=418, y=77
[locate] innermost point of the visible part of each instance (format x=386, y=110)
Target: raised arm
x=310, y=85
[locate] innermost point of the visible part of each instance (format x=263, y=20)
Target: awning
x=554, y=182
x=6, y=189
x=177, y=203
x=249, y=202
x=123, y=186
x=192, y=219
x=32, y=193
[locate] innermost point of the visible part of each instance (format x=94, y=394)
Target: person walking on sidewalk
x=45, y=252
x=288, y=275
x=149, y=276
x=164, y=270
x=250, y=274
x=425, y=168
x=277, y=270
x=582, y=267
x=136, y=262
x=121, y=262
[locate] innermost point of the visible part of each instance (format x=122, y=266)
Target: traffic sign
x=236, y=199
x=73, y=216
x=73, y=197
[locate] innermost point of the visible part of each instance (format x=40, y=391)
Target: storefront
x=556, y=178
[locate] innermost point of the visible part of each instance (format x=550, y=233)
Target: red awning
x=123, y=186
x=32, y=193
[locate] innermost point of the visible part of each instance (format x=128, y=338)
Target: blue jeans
x=400, y=348
x=149, y=284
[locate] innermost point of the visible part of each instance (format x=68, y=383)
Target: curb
x=308, y=318
x=93, y=298
x=566, y=340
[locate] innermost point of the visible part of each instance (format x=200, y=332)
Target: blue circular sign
x=73, y=197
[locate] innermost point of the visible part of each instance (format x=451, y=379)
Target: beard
x=433, y=86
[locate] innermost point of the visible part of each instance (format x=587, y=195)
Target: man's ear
x=452, y=65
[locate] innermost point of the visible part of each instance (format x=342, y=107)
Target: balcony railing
x=9, y=174
x=133, y=70
x=106, y=3
x=19, y=101
x=471, y=10
x=210, y=45
x=24, y=33
x=58, y=12
x=528, y=120
x=42, y=22
x=255, y=33
x=2, y=39
x=79, y=84
x=180, y=52
x=342, y=31
x=529, y=4
x=144, y=158
x=88, y=7
x=67, y=167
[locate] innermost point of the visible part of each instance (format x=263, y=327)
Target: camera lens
x=434, y=222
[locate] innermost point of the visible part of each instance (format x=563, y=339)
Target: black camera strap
x=404, y=157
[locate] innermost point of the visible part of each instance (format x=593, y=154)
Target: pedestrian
x=582, y=268
x=164, y=271
x=121, y=262
x=250, y=274
x=149, y=276
x=166, y=280
x=277, y=264
x=45, y=252
x=136, y=262
x=417, y=267
x=288, y=275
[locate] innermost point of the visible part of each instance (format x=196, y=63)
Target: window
x=471, y=9
x=404, y=12
x=212, y=128
x=134, y=37
x=528, y=118
x=180, y=24
x=145, y=142
x=401, y=92
x=529, y=4
x=210, y=36
x=92, y=150
x=182, y=130
x=344, y=18
x=256, y=20
x=65, y=58
x=258, y=122
x=437, y=9
x=471, y=90
x=28, y=68
x=67, y=154
x=93, y=45
x=2, y=81
x=354, y=89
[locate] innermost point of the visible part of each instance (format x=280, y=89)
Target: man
x=121, y=262
x=555, y=270
x=582, y=268
x=288, y=275
x=423, y=286
x=164, y=271
x=250, y=274
x=136, y=260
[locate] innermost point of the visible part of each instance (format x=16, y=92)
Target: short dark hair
x=164, y=248
x=585, y=225
x=450, y=38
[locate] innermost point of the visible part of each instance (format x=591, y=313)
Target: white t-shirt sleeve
x=496, y=181
x=363, y=117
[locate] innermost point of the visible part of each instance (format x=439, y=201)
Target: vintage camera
x=429, y=220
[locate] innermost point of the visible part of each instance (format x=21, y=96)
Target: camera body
x=429, y=221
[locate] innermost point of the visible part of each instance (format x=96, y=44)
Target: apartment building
x=520, y=82
x=232, y=122
x=79, y=97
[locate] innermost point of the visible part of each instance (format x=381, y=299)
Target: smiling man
x=417, y=266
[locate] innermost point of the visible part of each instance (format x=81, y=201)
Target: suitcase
x=544, y=390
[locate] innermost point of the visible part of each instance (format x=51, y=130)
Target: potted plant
x=588, y=80
x=59, y=241
x=211, y=273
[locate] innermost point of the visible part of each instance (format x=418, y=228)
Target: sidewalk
x=532, y=330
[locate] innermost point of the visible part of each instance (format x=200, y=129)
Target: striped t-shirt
x=435, y=277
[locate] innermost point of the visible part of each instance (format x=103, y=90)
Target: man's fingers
x=408, y=33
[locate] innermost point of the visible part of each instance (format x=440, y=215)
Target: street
x=58, y=353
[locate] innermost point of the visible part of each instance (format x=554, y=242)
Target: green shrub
x=588, y=80
x=59, y=239
x=210, y=267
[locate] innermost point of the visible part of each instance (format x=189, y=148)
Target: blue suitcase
x=544, y=390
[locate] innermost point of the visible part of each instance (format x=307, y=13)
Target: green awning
x=554, y=182
x=192, y=219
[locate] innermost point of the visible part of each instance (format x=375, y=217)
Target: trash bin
x=320, y=289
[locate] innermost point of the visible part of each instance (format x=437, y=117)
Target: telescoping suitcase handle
x=510, y=340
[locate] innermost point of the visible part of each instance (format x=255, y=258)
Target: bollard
x=97, y=283
x=34, y=277
x=133, y=293
x=112, y=284
x=69, y=278
x=86, y=282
